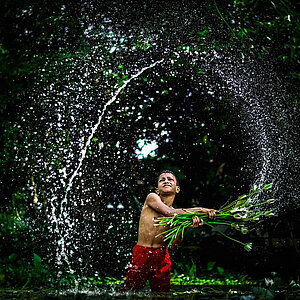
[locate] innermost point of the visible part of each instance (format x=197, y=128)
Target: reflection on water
x=177, y=292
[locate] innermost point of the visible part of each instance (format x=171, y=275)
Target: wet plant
x=238, y=214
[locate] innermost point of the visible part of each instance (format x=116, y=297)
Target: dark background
x=222, y=102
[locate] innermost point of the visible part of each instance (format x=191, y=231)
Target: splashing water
x=262, y=116
x=61, y=254
x=83, y=152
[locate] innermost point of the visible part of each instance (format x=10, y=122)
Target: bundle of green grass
x=238, y=214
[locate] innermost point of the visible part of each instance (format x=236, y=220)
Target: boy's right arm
x=211, y=212
x=154, y=201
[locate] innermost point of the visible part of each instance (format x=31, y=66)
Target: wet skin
x=160, y=204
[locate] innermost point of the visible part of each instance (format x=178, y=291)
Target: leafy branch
x=237, y=215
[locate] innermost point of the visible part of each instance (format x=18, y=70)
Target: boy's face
x=167, y=184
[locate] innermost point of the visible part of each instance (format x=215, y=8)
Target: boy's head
x=170, y=172
x=167, y=183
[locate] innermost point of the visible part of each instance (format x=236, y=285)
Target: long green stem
x=223, y=18
x=259, y=204
x=226, y=235
x=219, y=223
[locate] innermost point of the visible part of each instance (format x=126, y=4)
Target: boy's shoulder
x=152, y=197
x=152, y=194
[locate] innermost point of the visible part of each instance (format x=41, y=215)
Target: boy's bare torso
x=147, y=231
x=160, y=204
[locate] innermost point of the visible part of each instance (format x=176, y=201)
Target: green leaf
x=242, y=197
x=210, y=265
x=267, y=186
x=13, y=257
x=192, y=271
x=220, y=270
x=248, y=247
x=37, y=261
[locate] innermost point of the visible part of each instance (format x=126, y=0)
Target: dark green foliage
x=212, y=274
x=19, y=272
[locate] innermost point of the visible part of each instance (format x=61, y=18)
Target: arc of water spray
x=94, y=129
x=84, y=150
x=264, y=139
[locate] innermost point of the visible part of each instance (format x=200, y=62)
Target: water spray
x=60, y=251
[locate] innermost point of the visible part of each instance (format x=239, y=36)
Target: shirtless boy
x=150, y=257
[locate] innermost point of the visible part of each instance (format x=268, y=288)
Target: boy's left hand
x=196, y=222
x=212, y=213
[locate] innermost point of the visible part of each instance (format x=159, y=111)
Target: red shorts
x=148, y=263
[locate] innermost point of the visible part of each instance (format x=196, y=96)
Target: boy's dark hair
x=168, y=171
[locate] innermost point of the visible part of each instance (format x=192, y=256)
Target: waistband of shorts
x=162, y=248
